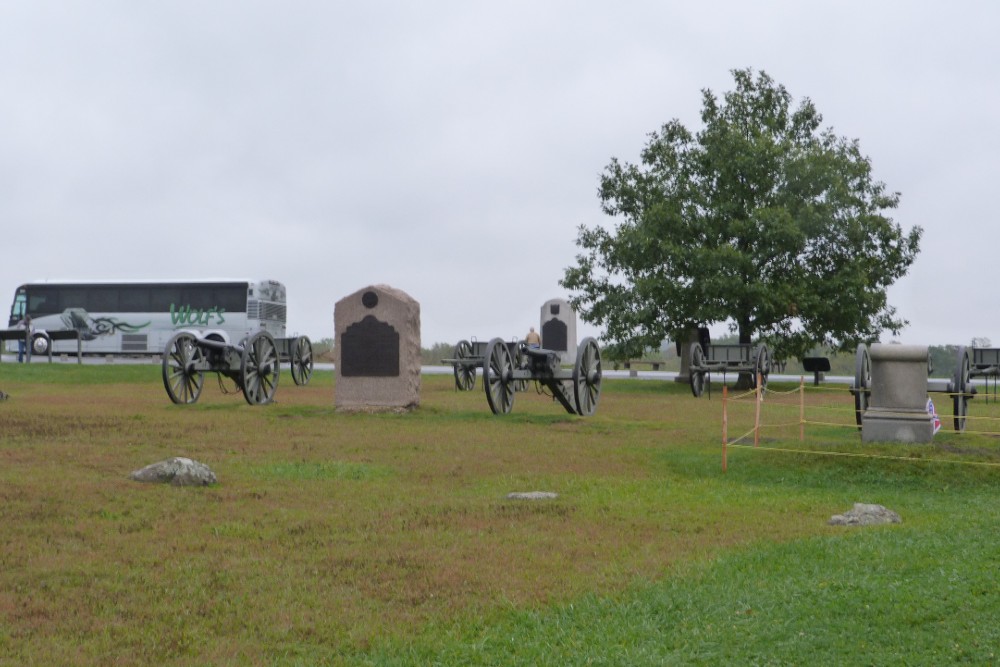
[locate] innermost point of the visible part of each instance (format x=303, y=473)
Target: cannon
x=578, y=389
x=708, y=358
x=254, y=365
x=959, y=387
x=468, y=357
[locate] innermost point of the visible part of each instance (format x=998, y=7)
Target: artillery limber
x=254, y=365
x=959, y=387
x=985, y=363
x=708, y=358
x=469, y=356
x=298, y=354
x=577, y=389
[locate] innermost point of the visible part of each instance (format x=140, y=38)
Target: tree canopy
x=762, y=219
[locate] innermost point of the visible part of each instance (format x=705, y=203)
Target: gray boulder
x=178, y=471
x=865, y=515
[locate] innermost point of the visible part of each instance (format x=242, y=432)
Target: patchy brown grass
x=331, y=530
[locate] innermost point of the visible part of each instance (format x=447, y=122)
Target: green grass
x=389, y=539
x=878, y=597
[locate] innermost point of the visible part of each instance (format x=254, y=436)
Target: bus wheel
x=40, y=344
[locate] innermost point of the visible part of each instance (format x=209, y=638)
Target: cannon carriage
x=254, y=365
x=468, y=358
x=577, y=389
x=708, y=358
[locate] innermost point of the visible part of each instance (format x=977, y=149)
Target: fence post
x=725, y=426
x=802, y=408
x=756, y=419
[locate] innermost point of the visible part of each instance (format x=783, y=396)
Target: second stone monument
x=558, y=327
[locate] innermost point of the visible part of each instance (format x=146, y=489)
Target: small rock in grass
x=532, y=495
x=178, y=471
x=865, y=515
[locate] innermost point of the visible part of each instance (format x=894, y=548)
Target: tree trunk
x=746, y=380
x=690, y=338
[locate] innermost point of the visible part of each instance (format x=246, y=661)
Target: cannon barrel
x=217, y=345
x=542, y=361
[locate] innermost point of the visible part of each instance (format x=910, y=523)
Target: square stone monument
x=377, y=350
x=898, y=408
x=558, y=327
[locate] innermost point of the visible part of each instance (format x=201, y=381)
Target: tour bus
x=140, y=317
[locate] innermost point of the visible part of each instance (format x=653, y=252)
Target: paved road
x=426, y=370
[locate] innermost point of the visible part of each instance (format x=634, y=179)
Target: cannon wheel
x=762, y=367
x=587, y=377
x=181, y=377
x=301, y=361
x=465, y=371
x=960, y=388
x=697, y=370
x=862, y=382
x=498, y=377
x=259, y=369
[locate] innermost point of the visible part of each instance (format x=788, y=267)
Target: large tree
x=762, y=219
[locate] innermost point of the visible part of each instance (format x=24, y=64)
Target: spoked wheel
x=697, y=370
x=762, y=367
x=301, y=361
x=862, y=387
x=498, y=377
x=587, y=377
x=961, y=388
x=465, y=370
x=259, y=369
x=182, y=378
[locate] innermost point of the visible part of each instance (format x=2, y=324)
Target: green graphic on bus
x=186, y=315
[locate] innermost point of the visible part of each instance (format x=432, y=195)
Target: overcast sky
x=452, y=149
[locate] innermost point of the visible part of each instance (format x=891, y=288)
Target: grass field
x=389, y=539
